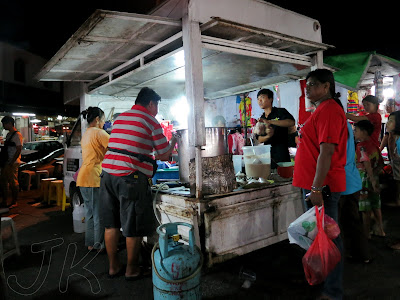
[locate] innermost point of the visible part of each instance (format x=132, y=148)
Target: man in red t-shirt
x=327, y=125
x=321, y=157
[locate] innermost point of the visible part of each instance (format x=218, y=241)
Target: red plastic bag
x=322, y=256
x=331, y=228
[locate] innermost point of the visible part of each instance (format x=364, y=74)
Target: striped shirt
x=135, y=131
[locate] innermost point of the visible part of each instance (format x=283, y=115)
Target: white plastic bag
x=303, y=230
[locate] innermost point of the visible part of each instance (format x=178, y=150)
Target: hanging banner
x=396, y=88
x=245, y=110
x=352, y=102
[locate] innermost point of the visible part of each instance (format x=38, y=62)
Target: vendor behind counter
x=277, y=121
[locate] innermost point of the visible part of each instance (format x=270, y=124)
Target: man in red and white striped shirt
x=126, y=196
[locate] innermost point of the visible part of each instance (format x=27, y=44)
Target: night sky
x=42, y=28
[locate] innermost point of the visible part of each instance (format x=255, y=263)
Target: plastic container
x=257, y=161
x=285, y=169
x=237, y=163
x=78, y=217
x=171, y=173
x=285, y=172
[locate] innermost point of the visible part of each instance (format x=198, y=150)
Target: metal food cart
x=203, y=49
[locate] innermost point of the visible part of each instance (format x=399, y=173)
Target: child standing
x=369, y=164
x=371, y=105
x=393, y=127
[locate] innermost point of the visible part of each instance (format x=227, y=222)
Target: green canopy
x=357, y=69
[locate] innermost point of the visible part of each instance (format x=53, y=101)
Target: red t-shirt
x=326, y=125
x=368, y=151
x=376, y=120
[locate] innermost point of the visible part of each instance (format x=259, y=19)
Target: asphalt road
x=54, y=257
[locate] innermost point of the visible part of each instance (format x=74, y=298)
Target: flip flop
x=379, y=235
x=144, y=272
x=395, y=246
x=118, y=274
x=368, y=261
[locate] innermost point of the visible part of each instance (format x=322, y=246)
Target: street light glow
x=24, y=114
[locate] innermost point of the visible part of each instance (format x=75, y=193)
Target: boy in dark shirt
x=277, y=120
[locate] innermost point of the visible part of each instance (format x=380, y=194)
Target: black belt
x=141, y=157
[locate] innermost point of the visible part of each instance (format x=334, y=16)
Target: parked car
x=49, y=159
x=36, y=150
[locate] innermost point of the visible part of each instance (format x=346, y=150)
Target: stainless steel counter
x=235, y=223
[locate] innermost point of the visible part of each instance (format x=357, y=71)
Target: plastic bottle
x=78, y=217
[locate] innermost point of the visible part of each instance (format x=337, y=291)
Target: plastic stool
x=58, y=169
x=56, y=192
x=8, y=247
x=44, y=187
x=26, y=177
x=49, y=168
x=40, y=175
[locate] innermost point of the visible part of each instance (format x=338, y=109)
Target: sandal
x=118, y=274
x=395, y=246
x=144, y=272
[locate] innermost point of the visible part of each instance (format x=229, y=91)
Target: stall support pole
x=317, y=61
x=194, y=92
x=83, y=101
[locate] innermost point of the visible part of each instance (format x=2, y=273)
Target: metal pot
x=216, y=144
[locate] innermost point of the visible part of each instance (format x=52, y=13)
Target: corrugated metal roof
x=119, y=53
x=106, y=40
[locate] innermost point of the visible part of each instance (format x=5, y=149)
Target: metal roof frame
x=131, y=54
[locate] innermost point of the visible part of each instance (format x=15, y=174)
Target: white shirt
x=17, y=139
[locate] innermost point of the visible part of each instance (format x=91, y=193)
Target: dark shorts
x=126, y=202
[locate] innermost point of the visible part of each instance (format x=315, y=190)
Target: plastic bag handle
x=320, y=217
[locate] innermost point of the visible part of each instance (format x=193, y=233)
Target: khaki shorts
x=9, y=175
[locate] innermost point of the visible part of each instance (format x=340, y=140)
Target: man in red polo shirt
x=321, y=157
x=126, y=196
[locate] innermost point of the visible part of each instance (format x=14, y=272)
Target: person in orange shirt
x=94, y=145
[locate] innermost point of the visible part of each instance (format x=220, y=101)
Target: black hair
x=146, y=95
x=323, y=76
x=391, y=102
x=8, y=120
x=366, y=126
x=92, y=113
x=267, y=92
x=396, y=114
x=372, y=99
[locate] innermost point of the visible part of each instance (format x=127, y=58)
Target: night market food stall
x=197, y=50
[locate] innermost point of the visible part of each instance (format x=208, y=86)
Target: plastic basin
x=285, y=172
